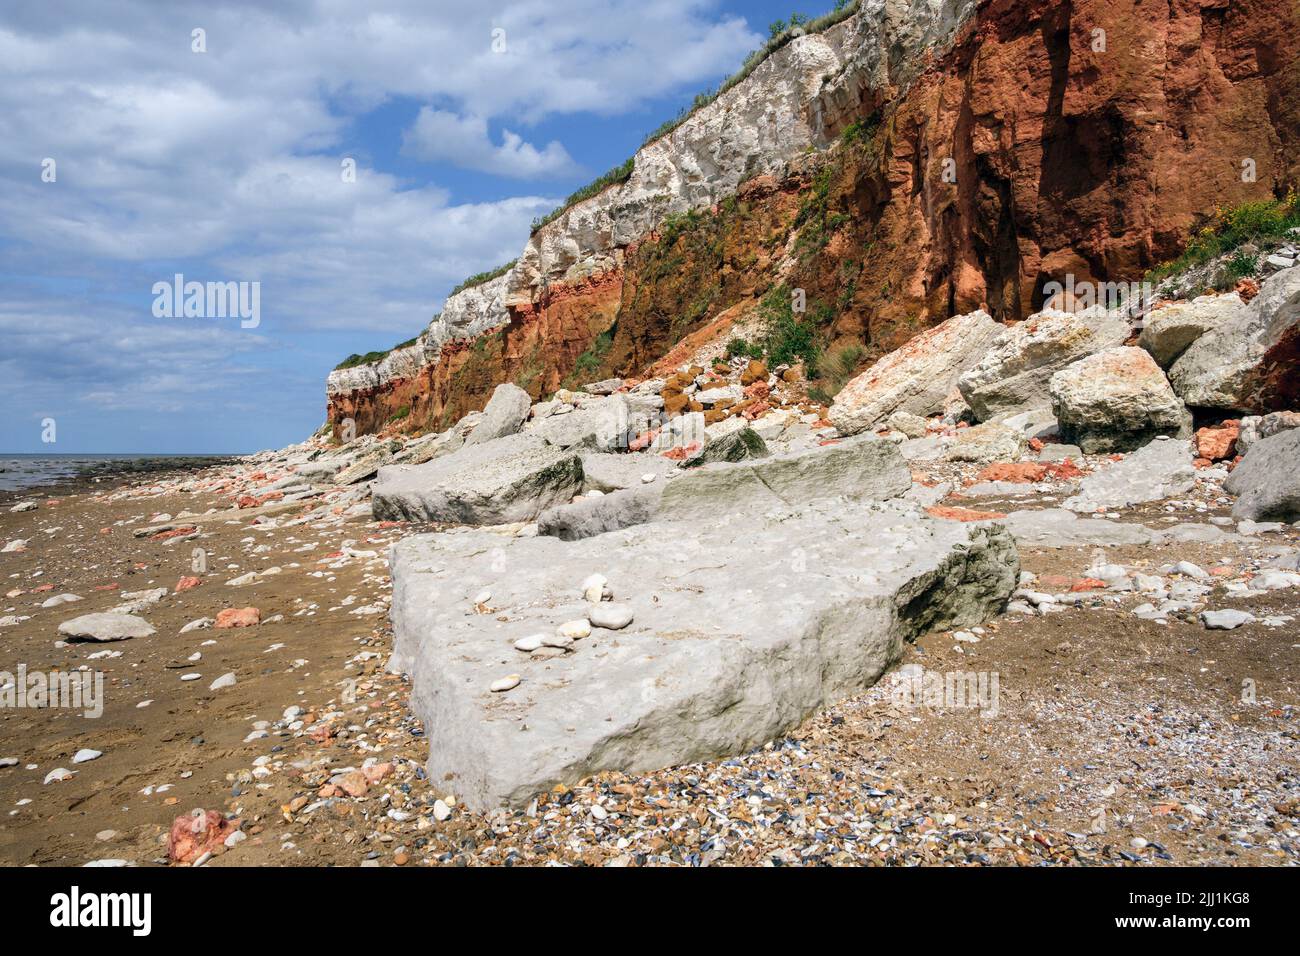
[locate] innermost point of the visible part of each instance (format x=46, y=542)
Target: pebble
x=225, y=680
x=482, y=597
x=86, y=754
x=1189, y=570
x=440, y=810
x=58, y=774
x=575, y=629
x=190, y=677
x=593, y=588
x=1226, y=620
x=530, y=643
x=611, y=616
x=502, y=684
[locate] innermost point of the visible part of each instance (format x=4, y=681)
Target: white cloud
x=226, y=166
x=464, y=142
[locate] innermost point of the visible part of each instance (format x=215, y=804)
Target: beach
x=313, y=748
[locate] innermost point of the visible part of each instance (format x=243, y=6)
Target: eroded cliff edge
x=918, y=160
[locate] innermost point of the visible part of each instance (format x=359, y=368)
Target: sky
x=353, y=160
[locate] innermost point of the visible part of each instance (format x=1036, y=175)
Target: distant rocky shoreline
x=80, y=474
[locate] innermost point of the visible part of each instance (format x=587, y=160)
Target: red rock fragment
x=1023, y=472
x=1218, y=443
x=961, y=514
x=192, y=835
x=239, y=617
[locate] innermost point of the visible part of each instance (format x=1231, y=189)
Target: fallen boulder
x=588, y=517
x=734, y=446
x=1117, y=401
x=916, y=378
x=861, y=468
x=1267, y=480
x=987, y=443
x=105, y=626
x=1059, y=528
x=1171, y=329
x=1015, y=375
x=503, y=415
x=1256, y=427
x=1160, y=470
x=607, y=425
x=1251, y=363
x=511, y=479
x=734, y=638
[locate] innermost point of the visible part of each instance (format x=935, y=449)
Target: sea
x=19, y=472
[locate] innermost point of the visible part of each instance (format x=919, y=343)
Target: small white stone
x=482, y=597
x=593, y=588
x=648, y=478
x=58, y=774
x=190, y=677
x=225, y=680
x=86, y=754
x=530, y=643
x=611, y=616
x=576, y=630
x=441, y=811
x=502, y=684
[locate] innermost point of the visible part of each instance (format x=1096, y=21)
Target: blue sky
x=225, y=165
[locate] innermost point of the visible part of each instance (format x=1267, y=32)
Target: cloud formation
x=463, y=141
x=227, y=165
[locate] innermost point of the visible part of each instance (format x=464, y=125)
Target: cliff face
x=918, y=160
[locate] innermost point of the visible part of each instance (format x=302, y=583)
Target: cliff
x=918, y=160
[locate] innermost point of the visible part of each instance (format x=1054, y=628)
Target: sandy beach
x=1116, y=740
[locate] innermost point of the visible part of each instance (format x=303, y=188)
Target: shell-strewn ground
x=1111, y=739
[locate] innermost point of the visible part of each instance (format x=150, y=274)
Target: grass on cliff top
x=780, y=32
x=481, y=277
x=355, y=359
x=1232, y=228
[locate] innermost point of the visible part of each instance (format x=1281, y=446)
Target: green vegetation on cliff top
x=780, y=32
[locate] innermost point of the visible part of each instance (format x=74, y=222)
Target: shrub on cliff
x=481, y=277
x=1262, y=220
